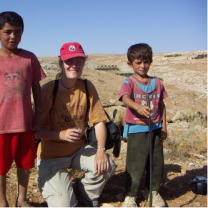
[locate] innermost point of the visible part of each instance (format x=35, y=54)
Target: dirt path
x=175, y=187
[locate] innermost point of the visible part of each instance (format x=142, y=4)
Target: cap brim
x=69, y=56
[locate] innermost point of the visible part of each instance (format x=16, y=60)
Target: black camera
x=199, y=185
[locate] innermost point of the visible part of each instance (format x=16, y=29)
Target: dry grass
x=186, y=139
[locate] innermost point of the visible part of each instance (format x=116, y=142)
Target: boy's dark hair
x=11, y=18
x=139, y=51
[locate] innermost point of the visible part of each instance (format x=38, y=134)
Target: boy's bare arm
x=142, y=109
x=163, y=115
x=36, y=89
x=37, y=102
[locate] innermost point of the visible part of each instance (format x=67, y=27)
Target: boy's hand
x=144, y=110
x=163, y=134
x=36, y=122
x=141, y=109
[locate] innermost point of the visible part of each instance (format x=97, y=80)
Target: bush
x=184, y=142
x=125, y=74
x=107, y=68
x=200, y=56
x=174, y=55
x=130, y=74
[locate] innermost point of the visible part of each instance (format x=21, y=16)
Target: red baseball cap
x=71, y=50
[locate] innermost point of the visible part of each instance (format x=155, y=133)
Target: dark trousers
x=138, y=160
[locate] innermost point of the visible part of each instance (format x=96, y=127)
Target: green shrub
x=200, y=56
x=130, y=74
x=107, y=68
x=184, y=143
x=125, y=74
x=174, y=55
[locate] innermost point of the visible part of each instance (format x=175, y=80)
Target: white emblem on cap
x=72, y=48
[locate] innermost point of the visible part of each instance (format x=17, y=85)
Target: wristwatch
x=102, y=148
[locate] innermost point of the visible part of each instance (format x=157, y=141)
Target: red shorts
x=19, y=147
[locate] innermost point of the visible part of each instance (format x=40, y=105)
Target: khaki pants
x=55, y=182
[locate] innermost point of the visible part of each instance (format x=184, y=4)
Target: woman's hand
x=101, y=159
x=70, y=135
x=101, y=162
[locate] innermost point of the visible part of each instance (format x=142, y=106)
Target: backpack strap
x=88, y=102
x=55, y=90
x=88, y=106
x=114, y=115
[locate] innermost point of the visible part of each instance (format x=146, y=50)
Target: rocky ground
x=185, y=150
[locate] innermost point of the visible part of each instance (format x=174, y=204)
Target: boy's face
x=72, y=68
x=10, y=37
x=140, y=67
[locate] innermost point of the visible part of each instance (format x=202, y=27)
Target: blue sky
x=111, y=26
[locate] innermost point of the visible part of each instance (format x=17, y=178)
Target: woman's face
x=72, y=68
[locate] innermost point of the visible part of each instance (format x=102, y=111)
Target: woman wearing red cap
x=63, y=143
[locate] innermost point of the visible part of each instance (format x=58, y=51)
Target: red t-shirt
x=136, y=90
x=17, y=74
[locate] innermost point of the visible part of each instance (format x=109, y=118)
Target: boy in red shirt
x=20, y=71
x=133, y=94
